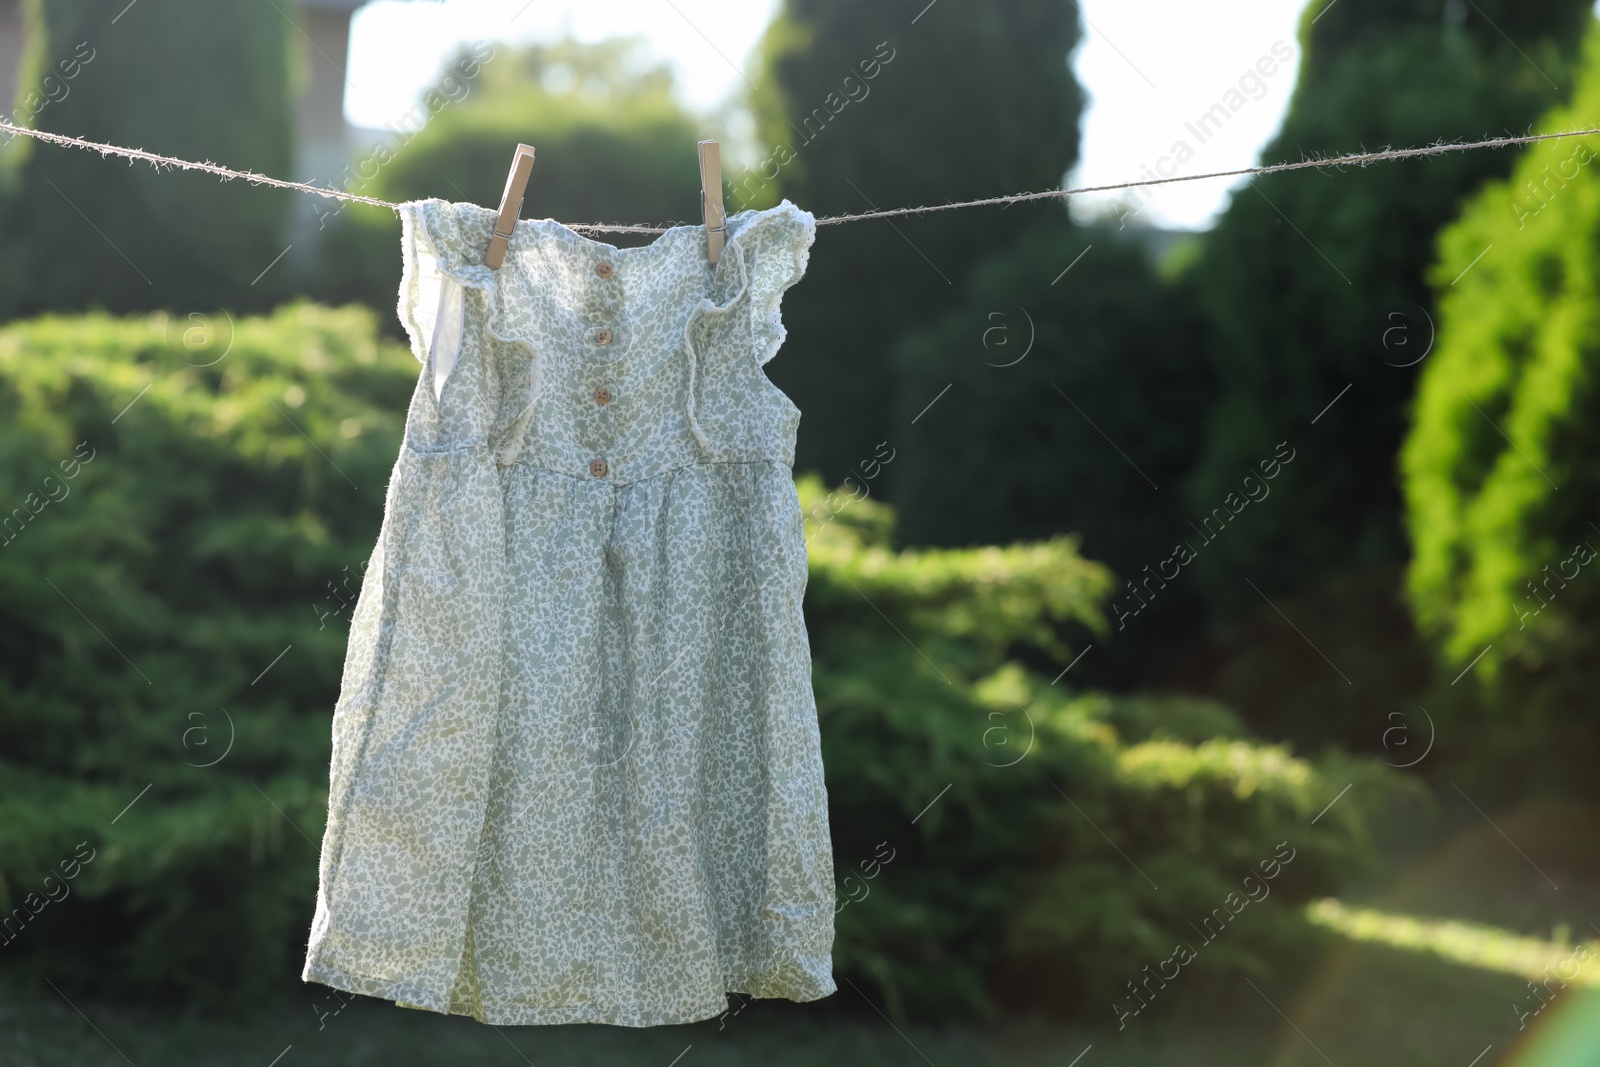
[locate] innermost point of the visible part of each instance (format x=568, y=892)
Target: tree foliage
x=611, y=144
x=1302, y=266
x=1067, y=393
x=874, y=105
x=179, y=77
x=1502, y=465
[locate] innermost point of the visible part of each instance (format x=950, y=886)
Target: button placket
x=604, y=307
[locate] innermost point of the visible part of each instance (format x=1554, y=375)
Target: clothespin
x=505, y=223
x=711, y=199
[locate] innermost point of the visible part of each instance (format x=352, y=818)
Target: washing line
x=1355, y=159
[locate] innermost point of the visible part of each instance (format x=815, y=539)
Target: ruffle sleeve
x=775, y=245
x=443, y=246
x=441, y=243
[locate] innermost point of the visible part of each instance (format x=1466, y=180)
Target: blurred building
x=325, y=139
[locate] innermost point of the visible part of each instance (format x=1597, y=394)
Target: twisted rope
x=1356, y=159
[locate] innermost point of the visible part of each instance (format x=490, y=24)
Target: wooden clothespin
x=505, y=223
x=711, y=199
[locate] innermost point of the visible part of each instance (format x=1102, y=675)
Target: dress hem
x=409, y=995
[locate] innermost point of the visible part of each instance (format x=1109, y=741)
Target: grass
x=36, y=1032
x=1435, y=969
x=1432, y=971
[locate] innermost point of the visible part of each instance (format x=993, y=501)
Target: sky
x=1149, y=67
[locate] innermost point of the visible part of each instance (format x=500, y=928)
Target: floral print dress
x=576, y=769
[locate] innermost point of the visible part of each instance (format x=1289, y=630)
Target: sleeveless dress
x=576, y=770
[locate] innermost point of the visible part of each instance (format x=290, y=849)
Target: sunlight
x=1470, y=944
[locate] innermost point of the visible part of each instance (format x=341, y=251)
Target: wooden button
x=602, y=396
x=598, y=468
x=602, y=336
x=605, y=270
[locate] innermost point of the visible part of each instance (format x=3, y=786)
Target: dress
x=576, y=773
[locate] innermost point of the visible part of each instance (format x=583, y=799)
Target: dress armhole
x=779, y=245
x=422, y=287
x=445, y=348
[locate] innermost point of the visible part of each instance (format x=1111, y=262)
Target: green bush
x=232, y=475
x=171, y=634
x=184, y=78
x=1029, y=824
x=1502, y=466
